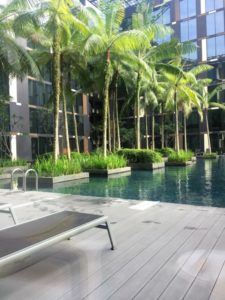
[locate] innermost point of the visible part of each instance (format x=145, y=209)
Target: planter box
x=5, y=176
x=180, y=164
x=202, y=157
x=147, y=166
x=106, y=172
x=44, y=182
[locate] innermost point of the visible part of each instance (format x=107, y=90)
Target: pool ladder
x=24, y=174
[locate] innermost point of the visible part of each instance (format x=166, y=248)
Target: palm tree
x=206, y=102
x=52, y=21
x=110, y=43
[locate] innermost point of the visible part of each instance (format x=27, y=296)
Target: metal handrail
x=13, y=172
x=25, y=179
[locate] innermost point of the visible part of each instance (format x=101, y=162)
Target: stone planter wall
x=106, y=172
x=147, y=166
x=44, y=182
x=181, y=164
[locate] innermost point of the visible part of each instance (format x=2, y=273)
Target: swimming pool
x=201, y=184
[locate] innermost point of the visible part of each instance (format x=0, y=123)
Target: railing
x=24, y=174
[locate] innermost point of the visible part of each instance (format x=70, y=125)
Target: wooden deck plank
x=112, y=261
x=185, y=277
x=100, y=287
x=218, y=289
x=149, y=282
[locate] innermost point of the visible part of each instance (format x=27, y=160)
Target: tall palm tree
x=109, y=43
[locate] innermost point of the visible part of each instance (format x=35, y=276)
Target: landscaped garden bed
x=143, y=159
x=181, y=158
x=97, y=165
x=8, y=165
x=212, y=155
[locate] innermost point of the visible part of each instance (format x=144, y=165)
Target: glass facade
x=187, y=8
x=41, y=121
x=188, y=30
x=213, y=4
x=162, y=16
x=39, y=93
x=215, y=23
x=215, y=46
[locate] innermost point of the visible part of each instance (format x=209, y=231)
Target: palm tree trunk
x=106, y=102
x=75, y=128
x=114, y=120
x=207, y=130
x=65, y=121
x=185, y=132
x=146, y=130
x=56, y=93
x=117, y=115
x=177, y=144
x=162, y=130
x=153, y=130
x=109, y=130
x=137, y=111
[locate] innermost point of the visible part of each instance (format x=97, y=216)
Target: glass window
x=162, y=16
x=39, y=93
x=193, y=55
x=41, y=121
x=188, y=30
x=213, y=4
x=215, y=46
x=187, y=8
x=215, y=22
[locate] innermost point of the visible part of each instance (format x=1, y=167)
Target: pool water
x=203, y=183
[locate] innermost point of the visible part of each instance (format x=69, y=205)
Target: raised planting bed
x=209, y=156
x=147, y=166
x=48, y=181
x=179, y=163
x=108, y=172
x=5, y=172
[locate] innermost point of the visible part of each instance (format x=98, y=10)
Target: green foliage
x=11, y=163
x=211, y=155
x=181, y=156
x=98, y=161
x=140, y=156
x=166, y=152
x=63, y=166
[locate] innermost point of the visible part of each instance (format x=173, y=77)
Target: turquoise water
x=200, y=184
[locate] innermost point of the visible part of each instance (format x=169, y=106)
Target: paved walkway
x=165, y=251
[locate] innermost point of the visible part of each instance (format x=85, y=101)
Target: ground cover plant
x=11, y=163
x=140, y=156
x=165, y=152
x=181, y=156
x=98, y=161
x=63, y=166
x=210, y=155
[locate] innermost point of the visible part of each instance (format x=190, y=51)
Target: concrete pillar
x=13, y=146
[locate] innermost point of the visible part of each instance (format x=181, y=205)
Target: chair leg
x=110, y=235
x=13, y=215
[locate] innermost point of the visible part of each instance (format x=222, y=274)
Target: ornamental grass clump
x=181, y=156
x=211, y=155
x=12, y=163
x=63, y=166
x=166, y=151
x=98, y=161
x=141, y=156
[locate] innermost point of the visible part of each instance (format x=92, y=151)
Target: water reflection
x=202, y=184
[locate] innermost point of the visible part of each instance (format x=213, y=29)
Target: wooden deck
x=164, y=251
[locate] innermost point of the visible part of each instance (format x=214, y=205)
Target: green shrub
x=166, y=152
x=63, y=166
x=11, y=163
x=210, y=155
x=140, y=156
x=97, y=161
x=181, y=156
